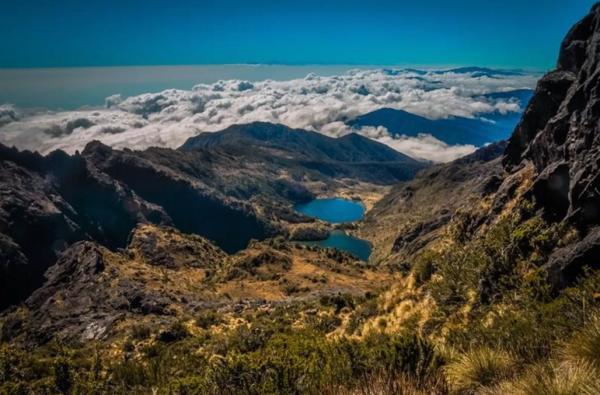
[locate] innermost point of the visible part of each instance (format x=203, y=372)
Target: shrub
x=479, y=368
x=563, y=379
x=324, y=323
x=177, y=331
x=62, y=376
x=361, y=314
x=585, y=345
x=338, y=301
x=208, y=318
x=141, y=332
x=424, y=267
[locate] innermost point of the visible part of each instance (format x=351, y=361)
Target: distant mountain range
x=301, y=144
x=457, y=130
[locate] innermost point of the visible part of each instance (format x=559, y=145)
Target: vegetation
x=495, y=325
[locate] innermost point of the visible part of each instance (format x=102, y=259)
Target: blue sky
x=510, y=33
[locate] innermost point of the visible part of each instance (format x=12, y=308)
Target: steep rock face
x=560, y=135
x=35, y=224
x=560, y=130
x=48, y=203
x=193, y=206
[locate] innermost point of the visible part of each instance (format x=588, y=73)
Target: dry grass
x=585, y=345
x=479, y=368
x=401, y=385
x=563, y=379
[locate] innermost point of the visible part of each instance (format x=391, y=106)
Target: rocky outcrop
x=48, y=203
x=35, y=224
x=560, y=130
x=560, y=135
x=173, y=249
x=567, y=263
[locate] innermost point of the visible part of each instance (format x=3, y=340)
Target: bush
x=585, y=345
x=479, y=368
x=424, y=266
x=141, y=332
x=338, y=301
x=563, y=379
x=62, y=376
x=208, y=318
x=177, y=331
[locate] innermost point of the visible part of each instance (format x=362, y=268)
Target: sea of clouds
x=317, y=103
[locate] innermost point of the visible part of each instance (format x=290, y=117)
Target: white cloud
x=8, y=114
x=316, y=103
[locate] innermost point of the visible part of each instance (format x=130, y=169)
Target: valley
x=263, y=259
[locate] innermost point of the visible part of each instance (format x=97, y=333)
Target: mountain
x=416, y=212
x=456, y=130
x=482, y=71
x=301, y=144
x=451, y=131
x=246, y=179
x=484, y=277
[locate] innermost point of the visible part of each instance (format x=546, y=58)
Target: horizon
x=433, y=33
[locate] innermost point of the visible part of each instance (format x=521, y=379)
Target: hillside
x=246, y=178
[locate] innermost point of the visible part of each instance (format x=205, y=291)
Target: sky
x=71, y=33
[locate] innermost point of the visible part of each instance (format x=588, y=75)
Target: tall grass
x=479, y=368
x=585, y=344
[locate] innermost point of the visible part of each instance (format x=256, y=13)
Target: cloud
x=315, y=103
x=8, y=114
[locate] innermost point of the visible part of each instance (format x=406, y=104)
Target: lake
x=338, y=211
x=334, y=211
x=340, y=240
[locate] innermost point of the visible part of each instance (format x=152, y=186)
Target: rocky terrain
x=173, y=271
x=225, y=191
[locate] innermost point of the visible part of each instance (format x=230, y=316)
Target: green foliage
x=269, y=358
x=62, y=376
x=141, y=332
x=338, y=301
x=207, y=318
x=177, y=331
x=424, y=266
x=323, y=323
x=495, y=263
x=366, y=310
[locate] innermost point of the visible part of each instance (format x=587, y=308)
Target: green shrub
x=424, y=266
x=62, y=376
x=208, y=318
x=177, y=331
x=141, y=332
x=338, y=301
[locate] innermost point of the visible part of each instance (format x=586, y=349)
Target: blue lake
x=344, y=242
x=334, y=211
x=338, y=211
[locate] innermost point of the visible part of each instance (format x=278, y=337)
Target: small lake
x=337, y=211
x=334, y=211
x=339, y=239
